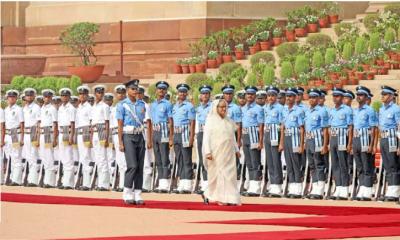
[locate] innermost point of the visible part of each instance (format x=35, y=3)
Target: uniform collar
x=251, y=104
x=363, y=106
x=295, y=107
x=161, y=100
x=315, y=108
x=388, y=105
x=206, y=104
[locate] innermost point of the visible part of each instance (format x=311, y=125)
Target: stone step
x=376, y=6
x=386, y=77
x=361, y=16
x=395, y=73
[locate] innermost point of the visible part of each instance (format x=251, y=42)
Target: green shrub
x=268, y=75
x=265, y=57
x=330, y=56
x=286, y=70
x=226, y=69
x=287, y=48
x=197, y=79
x=398, y=34
x=341, y=28
x=252, y=79
x=376, y=105
x=390, y=35
x=320, y=40
x=48, y=82
x=301, y=65
x=317, y=59
x=347, y=51
x=370, y=21
x=375, y=41
x=237, y=77
x=361, y=46
x=393, y=8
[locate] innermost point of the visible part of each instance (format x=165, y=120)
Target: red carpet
x=335, y=222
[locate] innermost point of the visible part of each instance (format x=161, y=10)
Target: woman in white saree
x=220, y=150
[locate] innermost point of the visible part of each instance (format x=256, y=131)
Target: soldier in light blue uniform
x=341, y=136
x=292, y=142
x=201, y=114
x=316, y=134
x=321, y=103
x=302, y=106
x=161, y=117
x=273, y=118
x=234, y=113
x=253, y=136
x=389, y=121
x=131, y=114
x=365, y=127
x=348, y=98
x=184, y=116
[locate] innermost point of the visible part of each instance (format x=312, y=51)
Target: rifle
x=307, y=181
x=380, y=185
x=8, y=171
x=173, y=180
x=41, y=175
x=264, y=181
x=285, y=181
x=328, y=186
x=154, y=176
x=78, y=175
x=59, y=174
x=94, y=176
x=354, y=185
x=25, y=173
x=114, y=176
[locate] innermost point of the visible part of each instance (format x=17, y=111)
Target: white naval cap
x=47, y=92
x=64, y=91
x=108, y=96
x=119, y=88
x=12, y=93
x=83, y=89
x=99, y=87
x=29, y=91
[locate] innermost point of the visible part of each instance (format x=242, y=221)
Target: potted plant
x=239, y=53
x=360, y=72
x=343, y=79
x=177, y=66
x=323, y=19
x=304, y=79
x=192, y=64
x=79, y=38
x=212, y=59
x=312, y=25
x=333, y=12
x=352, y=80
x=300, y=29
x=200, y=65
x=319, y=76
x=277, y=39
x=334, y=71
x=185, y=65
x=264, y=40
x=227, y=57
x=370, y=75
x=386, y=63
x=290, y=34
x=252, y=42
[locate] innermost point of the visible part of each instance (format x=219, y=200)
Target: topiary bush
x=361, y=46
x=370, y=21
x=375, y=41
x=268, y=75
x=287, y=48
x=317, y=59
x=286, y=70
x=301, y=65
x=195, y=80
x=226, y=69
x=390, y=35
x=49, y=82
x=264, y=57
x=330, y=56
x=320, y=40
x=252, y=79
x=347, y=51
x=341, y=28
x=393, y=8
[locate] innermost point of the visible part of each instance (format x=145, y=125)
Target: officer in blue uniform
x=389, y=120
x=201, y=114
x=365, y=127
x=273, y=118
x=184, y=116
x=302, y=106
x=341, y=136
x=292, y=142
x=282, y=97
x=241, y=98
x=321, y=103
x=161, y=117
x=316, y=134
x=253, y=136
x=234, y=113
x=261, y=97
x=348, y=98
x=131, y=114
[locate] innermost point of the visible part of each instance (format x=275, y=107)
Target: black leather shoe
x=366, y=199
x=139, y=202
x=205, y=200
x=185, y=192
x=129, y=202
x=163, y=191
x=391, y=199
x=332, y=198
x=156, y=190
x=67, y=188
x=60, y=187
x=119, y=190
x=250, y=194
x=47, y=186
x=295, y=196
x=31, y=185
x=15, y=184
x=342, y=198
x=145, y=191
x=315, y=197
x=84, y=188
x=102, y=189
x=274, y=195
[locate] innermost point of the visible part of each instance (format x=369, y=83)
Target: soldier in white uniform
x=48, y=138
x=120, y=92
x=84, y=141
x=100, y=129
x=39, y=100
x=75, y=155
x=109, y=99
x=14, y=139
x=31, y=118
x=66, y=122
x=2, y=134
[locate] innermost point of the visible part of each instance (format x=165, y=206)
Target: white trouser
x=68, y=163
x=16, y=159
x=100, y=157
x=120, y=160
x=85, y=158
x=31, y=155
x=46, y=153
x=147, y=169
